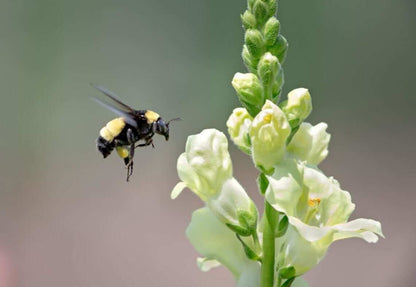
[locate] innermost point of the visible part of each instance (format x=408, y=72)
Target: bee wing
x=117, y=106
x=115, y=100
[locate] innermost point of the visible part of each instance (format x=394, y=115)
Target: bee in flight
x=125, y=132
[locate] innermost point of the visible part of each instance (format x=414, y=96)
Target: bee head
x=162, y=127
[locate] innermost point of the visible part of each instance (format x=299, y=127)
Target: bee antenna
x=175, y=119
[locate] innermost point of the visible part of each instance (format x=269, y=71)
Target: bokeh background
x=68, y=218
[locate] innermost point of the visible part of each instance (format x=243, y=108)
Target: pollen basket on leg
x=122, y=151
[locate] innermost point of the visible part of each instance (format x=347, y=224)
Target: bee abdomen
x=105, y=147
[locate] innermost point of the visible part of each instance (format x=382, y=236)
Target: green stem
x=278, y=281
x=270, y=222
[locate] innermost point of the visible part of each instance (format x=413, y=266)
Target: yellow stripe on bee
x=122, y=151
x=112, y=129
x=151, y=116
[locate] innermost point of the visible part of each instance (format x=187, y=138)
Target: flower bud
x=268, y=134
x=238, y=125
x=249, y=90
x=271, y=30
x=279, y=48
x=310, y=143
x=254, y=42
x=260, y=11
x=272, y=7
x=205, y=165
x=268, y=68
x=298, y=105
x=248, y=19
x=250, y=63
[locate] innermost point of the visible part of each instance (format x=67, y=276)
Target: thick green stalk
x=268, y=266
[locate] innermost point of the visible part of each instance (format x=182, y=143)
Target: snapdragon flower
x=318, y=211
x=205, y=168
x=268, y=134
x=239, y=124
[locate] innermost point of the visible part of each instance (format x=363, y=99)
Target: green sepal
x=287, y=272
x=251, y=109
x=245, y=150
x=261, y=12
x=255, y=43
x=283, y=225
x=264, y=170
x=248, y=20
x=271, y=30
x=247, y=222
x=250, y=253
x=238, y=229
x=278, y=85
x=248, y=218
x=248, y=140
x=262, y=183
x=288, y=282
x=279, y=48
x=294, y=124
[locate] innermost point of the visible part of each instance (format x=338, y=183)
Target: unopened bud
x=271, y=30
x=298, y=105
x=279, y=48
x=255, y=43
x=249, y=90
x=260, y=11
x=248, y=19
x=268, y=69
x=250, y=63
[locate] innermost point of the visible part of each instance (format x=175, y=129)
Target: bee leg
x=129, y=161
x=129, y=170
x=149, y=141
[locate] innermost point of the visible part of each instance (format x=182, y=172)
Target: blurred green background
x=68, y=218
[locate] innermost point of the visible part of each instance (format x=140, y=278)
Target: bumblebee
x=124, y=133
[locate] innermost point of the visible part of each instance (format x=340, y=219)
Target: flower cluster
x=305, y=211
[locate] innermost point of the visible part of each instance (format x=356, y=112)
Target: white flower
x=238, y=125
x=318, y=211
x=205, y=168
x=310, y=143
x=298, y=105
x=206, y=164
x=268, y=134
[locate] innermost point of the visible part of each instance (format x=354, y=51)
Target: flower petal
x=205, y=264
x=362, y=228
x=284, y=190
x=215, y=241
x=177, y=190
x=232, y=200
x=310, y=143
